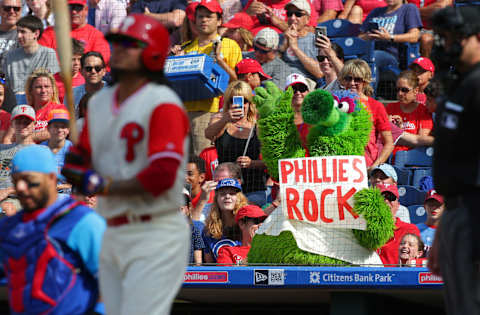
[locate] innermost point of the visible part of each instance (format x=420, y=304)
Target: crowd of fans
x=227, y=184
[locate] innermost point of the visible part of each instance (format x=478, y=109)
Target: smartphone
x=237, y=102
x=320, y=30
x=371, y=26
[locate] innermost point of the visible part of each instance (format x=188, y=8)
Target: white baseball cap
x=23, y=110
x=295, y=78
x=301, y=5
x=267, y=37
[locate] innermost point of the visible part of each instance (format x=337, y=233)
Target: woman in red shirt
x=356, y=77
x=407, y=113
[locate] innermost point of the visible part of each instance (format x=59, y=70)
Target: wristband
x=392, y=38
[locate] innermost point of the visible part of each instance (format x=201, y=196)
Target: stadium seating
x=466, y=3
x=420, y=157
x=410, y=195
x=417, y=214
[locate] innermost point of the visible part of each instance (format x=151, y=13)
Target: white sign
x=319, y=190
x=184, y=64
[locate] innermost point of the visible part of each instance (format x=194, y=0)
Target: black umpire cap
x=463, y=21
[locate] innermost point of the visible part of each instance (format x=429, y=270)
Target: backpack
x=42, y=270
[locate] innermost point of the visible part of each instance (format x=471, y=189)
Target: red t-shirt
x=232, y=254
x=303, y=130
x=389, y=252
x=368, y=5
x=380, y=123
x=210, y=156
x=76, y=81
x=92, y=38
x=420, y=118
x=279, y=11
x=41, y=115
x=4, y=120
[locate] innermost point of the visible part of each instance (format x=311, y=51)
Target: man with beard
x=49, y=249
x=132, y=153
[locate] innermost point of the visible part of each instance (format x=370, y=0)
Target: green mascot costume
x=340, y=125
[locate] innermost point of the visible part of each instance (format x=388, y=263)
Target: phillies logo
x=133, y=133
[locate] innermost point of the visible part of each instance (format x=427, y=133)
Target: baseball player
x=132, y=152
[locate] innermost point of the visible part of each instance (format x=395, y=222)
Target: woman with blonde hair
x=42, y=94
x=234, y=132
x=220, y=226
x=43, y=10
x=356, y=76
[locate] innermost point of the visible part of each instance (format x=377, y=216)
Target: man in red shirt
x=249, y=218
x=92, y=38
x=389, y=252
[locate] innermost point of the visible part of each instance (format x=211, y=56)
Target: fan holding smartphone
x=235, y=137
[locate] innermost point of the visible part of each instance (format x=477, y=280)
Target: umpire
x=456, y=250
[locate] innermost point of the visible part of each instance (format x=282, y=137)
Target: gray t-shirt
x=278, y=70
x=307, y=45
x=8, y=41
x=7, y=151
x=19, y=65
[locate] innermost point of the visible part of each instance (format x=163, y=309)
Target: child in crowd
x=195, y=176
x=435, y=206
x=410, y=251
x=249, y=218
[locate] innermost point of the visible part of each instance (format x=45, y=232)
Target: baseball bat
x=64, y=51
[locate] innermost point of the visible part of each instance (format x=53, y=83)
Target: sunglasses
x=127, y=42
x=8, y=8
x=300, y=88
x=296, y=13
x=90, y=68
x=76, y=7
x=389, y=196
x=261, y=50
x=254, y=220
x=349, y=78
x=321, y=58
x=403, y=89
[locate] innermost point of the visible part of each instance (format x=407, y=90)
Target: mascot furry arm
x=340, y=125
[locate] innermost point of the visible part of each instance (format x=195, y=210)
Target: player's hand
x=87, y=181
x=176, y=50
x=244, y=161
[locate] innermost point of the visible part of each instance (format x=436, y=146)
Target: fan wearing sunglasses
x=300, y=90
x=299, y=50
x=10, y=13
x=249, y=218
x=331, y=58
x=407, y=113
x=389, y=252
x=356, y=76
x=93, y=70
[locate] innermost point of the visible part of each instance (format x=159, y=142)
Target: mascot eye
x=344, y=107
x=335, y=103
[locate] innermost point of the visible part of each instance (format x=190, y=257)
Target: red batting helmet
x=150, y=31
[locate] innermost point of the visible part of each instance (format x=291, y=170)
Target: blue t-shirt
x=213, y=245
x=399, y=21
x=60, y=157
x=427, y=234
x=158, y=6
x=197, y=241
x=307, y=45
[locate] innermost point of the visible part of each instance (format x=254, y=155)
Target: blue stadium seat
x=466, y=3
x=403, y=175
x=341, y=28
x=419, y=173
x=417, y=214
x=421, y=156
x=410, y=195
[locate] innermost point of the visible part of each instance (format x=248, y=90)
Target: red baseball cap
x=240, y=19
x=190, y=10
x=251, y=211
x=211, y=5
x=432, y=194
x=388, y=187
x=425, y=64
x=249, y=65
x=82, y=2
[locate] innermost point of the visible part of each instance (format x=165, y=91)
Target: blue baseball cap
x=34, y=158
x=229, y=182
x=388, y=170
